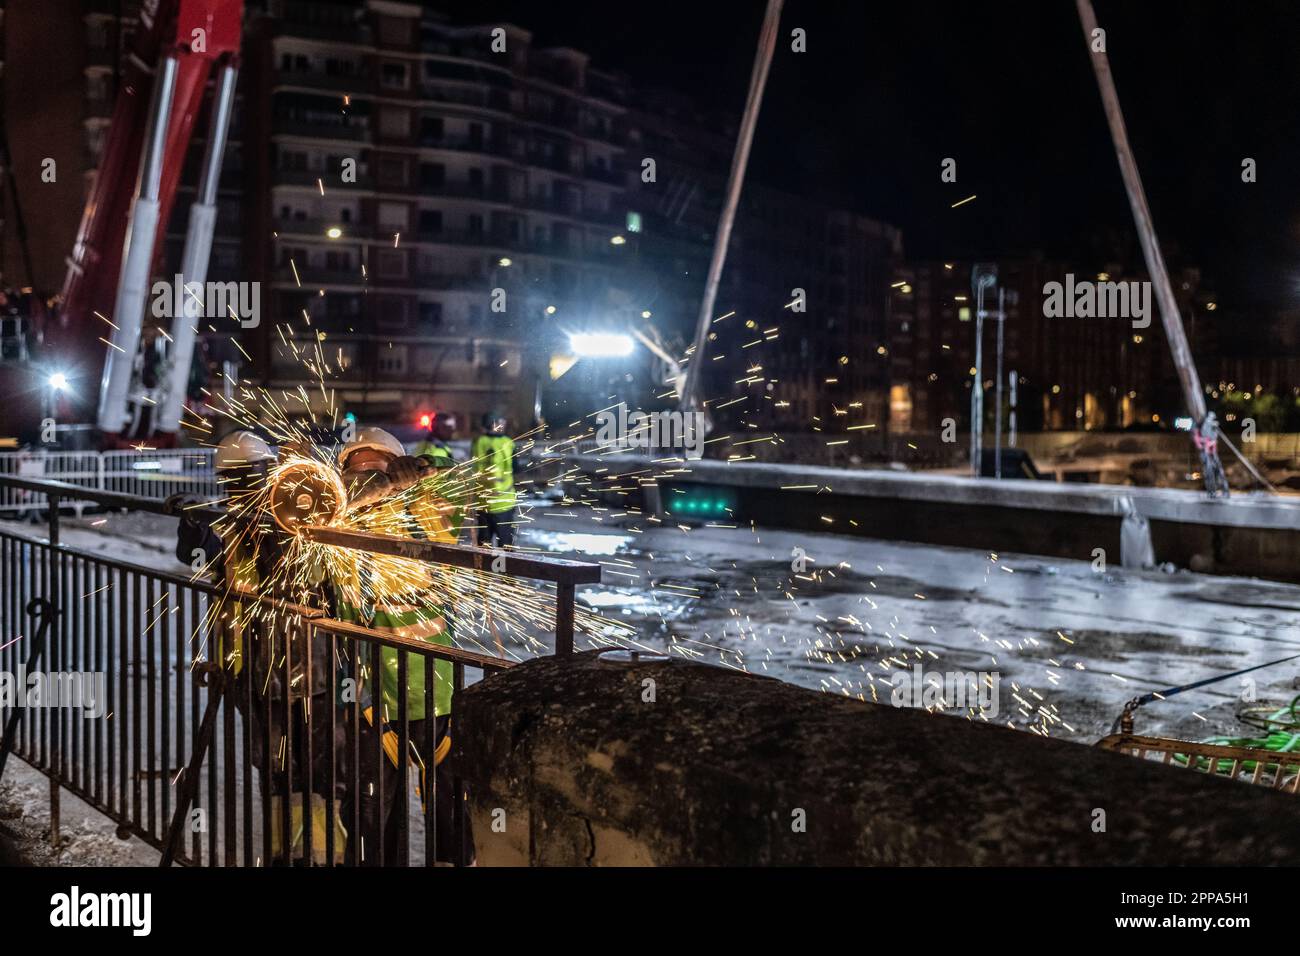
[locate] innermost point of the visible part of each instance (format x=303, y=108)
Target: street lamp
x=58, y=381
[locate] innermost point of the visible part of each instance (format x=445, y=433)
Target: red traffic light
x=426, y=420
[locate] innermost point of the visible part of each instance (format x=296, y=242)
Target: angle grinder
x=306, y=492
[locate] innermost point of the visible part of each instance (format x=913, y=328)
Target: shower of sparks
x=489, y=613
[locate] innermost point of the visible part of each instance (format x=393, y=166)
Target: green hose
x=1281, y=730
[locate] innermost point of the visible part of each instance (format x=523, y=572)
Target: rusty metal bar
x=192, y=779
x=457, y=555
x=36, y=607
x=396, y=641
x=55, y=591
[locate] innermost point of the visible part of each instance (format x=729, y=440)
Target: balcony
x=312, y=277
x=307, y=177
x=302, y=20
x=492, y=146
x=322, y=129
x=605, y=175
x=560, y=162
x=351, y=83
x=440, y=92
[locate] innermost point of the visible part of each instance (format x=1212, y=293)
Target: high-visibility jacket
x=494, y=457
x=436, y=451
x=396, y=594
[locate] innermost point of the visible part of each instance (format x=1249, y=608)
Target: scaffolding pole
x=739, y=161
x=1164, y=290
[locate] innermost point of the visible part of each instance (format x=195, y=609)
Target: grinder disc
x=306, y=492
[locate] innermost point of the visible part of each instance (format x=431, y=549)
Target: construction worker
x=377, y=471
x=247, y=564
x=493, y=453
x=435, y=444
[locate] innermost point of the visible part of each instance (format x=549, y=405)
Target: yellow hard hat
x=242, y=448
x=371, y=437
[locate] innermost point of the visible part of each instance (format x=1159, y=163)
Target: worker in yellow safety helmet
x=391, y=492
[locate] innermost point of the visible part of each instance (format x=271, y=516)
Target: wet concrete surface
x=1070, y=644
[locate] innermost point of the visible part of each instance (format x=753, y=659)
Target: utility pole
x=983, y=278
x=997, y=389
x=1012, y=380
x=739, y=161
x=1164, y=291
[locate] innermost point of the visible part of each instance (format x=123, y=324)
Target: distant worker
x=1206, y=438
x=436, y=445
x=493, y=453
x=378, y=472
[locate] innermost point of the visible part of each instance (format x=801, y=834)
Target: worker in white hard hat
x=375, y=466
x=379, y=475
x=248, y=565
x=241, y=460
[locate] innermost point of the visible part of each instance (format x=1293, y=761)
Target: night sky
x=887, y=90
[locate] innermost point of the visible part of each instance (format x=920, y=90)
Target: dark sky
x=887, y=90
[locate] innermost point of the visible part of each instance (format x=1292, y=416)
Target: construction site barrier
x=214, y=764
x=155, y=474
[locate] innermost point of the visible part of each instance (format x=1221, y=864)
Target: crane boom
x=129, y=205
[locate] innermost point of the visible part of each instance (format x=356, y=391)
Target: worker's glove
x=407, y=470
x=176, y=504
x=366, y=487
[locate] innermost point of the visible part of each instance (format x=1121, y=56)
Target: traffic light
x=426, y=420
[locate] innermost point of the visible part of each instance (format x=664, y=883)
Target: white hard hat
x=242, y=448
x=371, y=437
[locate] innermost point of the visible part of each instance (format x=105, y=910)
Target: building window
x=392, y=76
x=392, y=360
x=391, y=315
x=431, y=313
x=391, y=263
x=431, y=129
x=430, y=221
x=432, y=175
x=395, y=122
x=393, y=216
x=395, y=31
x=391, y=171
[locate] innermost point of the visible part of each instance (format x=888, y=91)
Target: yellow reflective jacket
x=402, y=596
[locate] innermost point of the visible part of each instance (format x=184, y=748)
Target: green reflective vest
x=494, y=462
x=426, y=515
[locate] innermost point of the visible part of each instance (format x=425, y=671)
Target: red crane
x=174, y=53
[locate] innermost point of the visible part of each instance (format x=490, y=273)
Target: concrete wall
x=580, y=762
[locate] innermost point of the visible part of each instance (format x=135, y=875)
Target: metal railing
x=219, y=745
x=148, y=474
x=1266, y=768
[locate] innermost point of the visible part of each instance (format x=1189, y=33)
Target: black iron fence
x=275, y=736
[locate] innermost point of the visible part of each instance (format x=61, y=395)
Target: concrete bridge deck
x=1254, y=534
